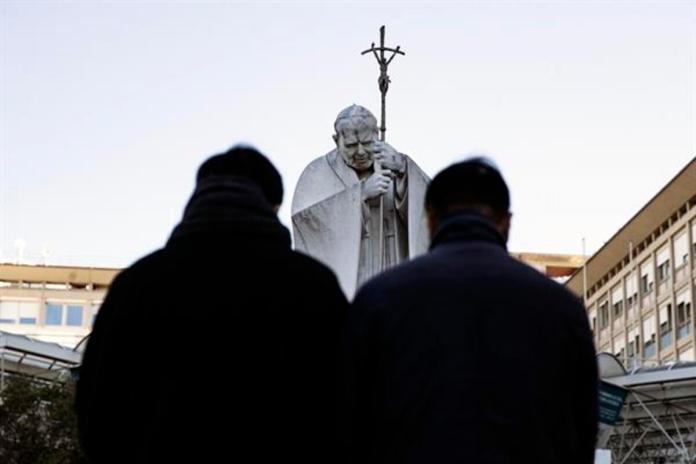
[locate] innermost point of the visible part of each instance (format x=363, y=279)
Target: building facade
x=51, y=303
x=639, y=287
x=59, y=303
x=559, y=267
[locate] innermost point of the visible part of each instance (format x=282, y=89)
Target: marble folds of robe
x=330, y=221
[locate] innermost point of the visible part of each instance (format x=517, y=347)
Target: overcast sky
x=588, y=107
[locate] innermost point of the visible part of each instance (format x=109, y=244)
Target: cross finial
x=383, y=80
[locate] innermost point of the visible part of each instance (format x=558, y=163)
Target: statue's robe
x=331, y=222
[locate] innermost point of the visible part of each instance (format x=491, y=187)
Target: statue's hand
x=375, y=185
x=389, y=158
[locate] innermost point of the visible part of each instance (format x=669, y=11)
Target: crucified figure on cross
x=383, y=80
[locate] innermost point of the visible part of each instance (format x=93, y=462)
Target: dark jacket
x=466, y=355
x=221, y=346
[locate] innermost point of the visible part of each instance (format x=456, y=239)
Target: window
x=9, y=312
x=631, y=290
x=646, y=278
x=633, y=345
x=592, y=316
x=94, y=310
x=683, y=314
x=663, y=271
x=687, y=355
x=617, y=300
x=57, y=314
x=28, y=312
x=25, y=312
x=681, y=250
x=649, y=348
x=633, y=342
x=54, y=314
x=604, y=315
x=645, y=284
x=665, y=325
x=619, y=346
x=663, y=267
x=649, y=336
x=74, y=316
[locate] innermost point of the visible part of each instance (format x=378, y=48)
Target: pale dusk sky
x=109, y=107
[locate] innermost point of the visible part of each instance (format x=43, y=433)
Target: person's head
x=472, y=186
x=247, y=163
x=356, y=131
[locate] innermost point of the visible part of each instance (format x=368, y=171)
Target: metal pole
x=382, y=137
x=584, y=274
x=659, y=426
x=383, y=78
x=681, y=438
x=2, y=370
x=630, y=451
x=383, y=83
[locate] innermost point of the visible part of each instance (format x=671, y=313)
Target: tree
x=38, y=423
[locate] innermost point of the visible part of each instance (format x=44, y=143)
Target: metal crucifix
x=383, y=80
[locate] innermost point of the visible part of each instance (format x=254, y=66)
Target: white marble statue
x=341, y=197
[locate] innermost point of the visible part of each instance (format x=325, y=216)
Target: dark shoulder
x=122, y=296
x=533, y=277
x=155, y=261
x=381, y=289
x=398, y=276
x=497, y=270
x=308, y=266
x=317, y=282
x=547, y=295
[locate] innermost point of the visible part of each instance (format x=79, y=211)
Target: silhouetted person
x=221, y=346
x=466, y=355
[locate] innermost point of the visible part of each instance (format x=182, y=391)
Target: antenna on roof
x=45, y=254
x=20, y=245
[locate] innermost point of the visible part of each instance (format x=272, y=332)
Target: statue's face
x=355, y=144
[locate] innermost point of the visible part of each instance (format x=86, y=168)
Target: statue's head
x=356, y=131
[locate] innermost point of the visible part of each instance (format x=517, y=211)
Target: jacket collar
x=466, y=227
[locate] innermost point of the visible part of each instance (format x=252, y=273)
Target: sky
x=108, y=107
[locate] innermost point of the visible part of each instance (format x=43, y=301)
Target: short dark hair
x=472, y=185
x=249, y=163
